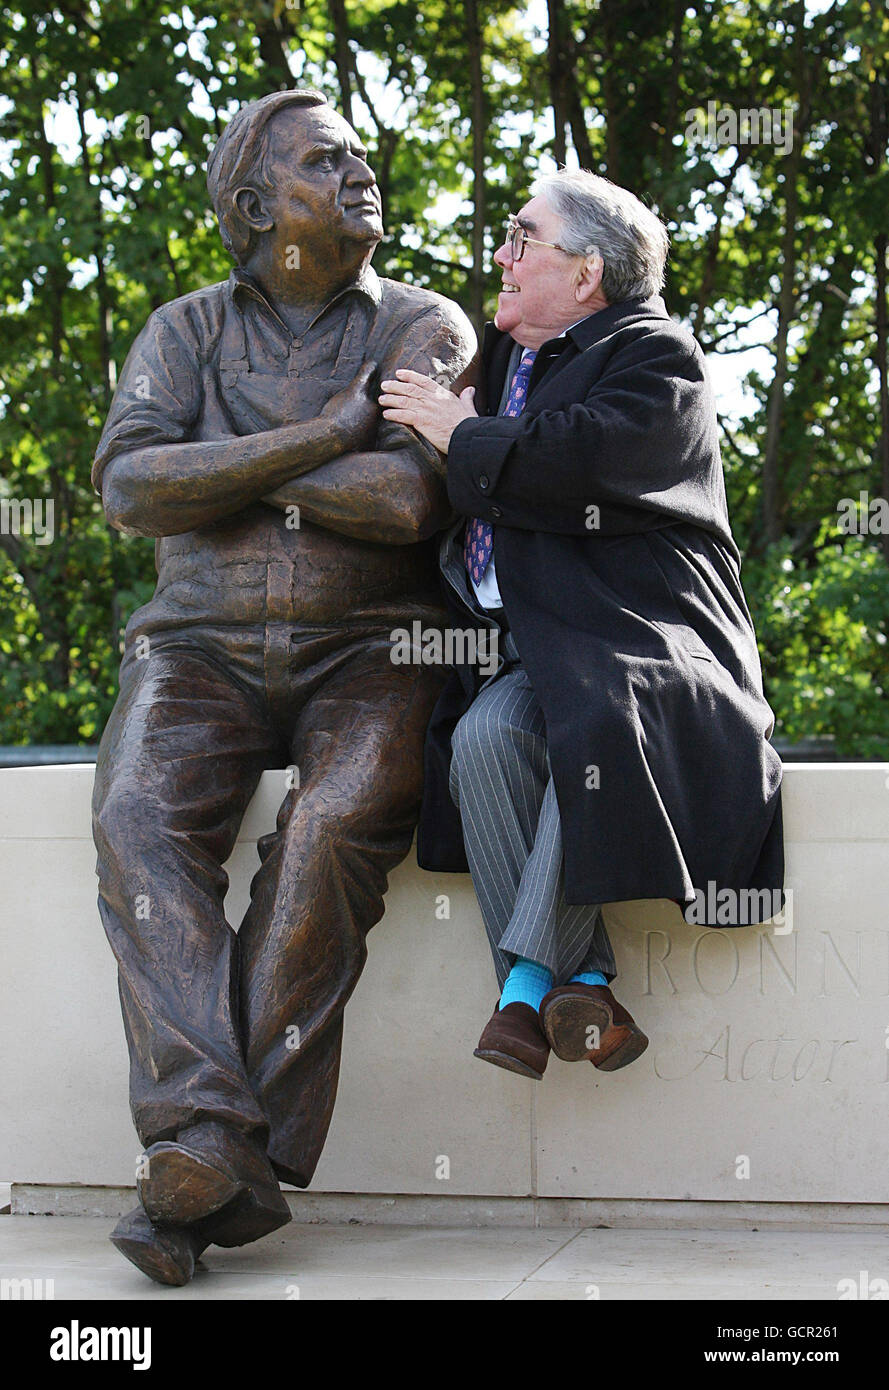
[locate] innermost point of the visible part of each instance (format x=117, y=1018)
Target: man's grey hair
x=240, y=158
x=597, y=215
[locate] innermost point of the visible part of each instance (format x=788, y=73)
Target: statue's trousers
x=246, y=1027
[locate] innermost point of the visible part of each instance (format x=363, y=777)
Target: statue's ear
x=250, y=210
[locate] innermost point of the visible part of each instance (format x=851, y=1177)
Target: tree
x=111, y=108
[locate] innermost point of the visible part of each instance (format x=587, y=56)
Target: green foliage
x=109, y=110
x=821, y=626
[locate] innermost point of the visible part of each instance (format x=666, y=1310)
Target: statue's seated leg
x=358, y=745
x=179, y=761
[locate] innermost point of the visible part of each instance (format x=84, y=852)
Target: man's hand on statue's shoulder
x=412, y=398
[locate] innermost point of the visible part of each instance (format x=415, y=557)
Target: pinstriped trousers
x=502, y=784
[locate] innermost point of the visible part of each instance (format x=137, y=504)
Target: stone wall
x=767, y=1077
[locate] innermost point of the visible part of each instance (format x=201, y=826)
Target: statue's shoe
x=168, y=1256
x=249, y=1217
x=212, y=1170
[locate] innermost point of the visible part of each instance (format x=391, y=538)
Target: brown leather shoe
x=570, y=1013
x=512, y=1039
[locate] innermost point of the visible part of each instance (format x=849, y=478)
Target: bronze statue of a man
x=294, y=529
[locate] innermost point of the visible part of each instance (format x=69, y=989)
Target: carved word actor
x=293, y=531
x=621, y=751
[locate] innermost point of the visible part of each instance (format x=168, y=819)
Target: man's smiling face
x=325, y=193
x=539, y=298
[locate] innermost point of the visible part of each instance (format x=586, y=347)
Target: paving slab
x=402, y=1263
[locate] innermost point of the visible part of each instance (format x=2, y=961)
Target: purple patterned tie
x=478, y=542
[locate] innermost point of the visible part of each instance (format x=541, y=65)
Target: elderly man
x=621, y=751
x=293, y=531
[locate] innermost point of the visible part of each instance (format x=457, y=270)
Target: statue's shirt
x=219, y=363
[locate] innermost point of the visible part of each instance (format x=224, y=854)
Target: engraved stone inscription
x=770, y=1026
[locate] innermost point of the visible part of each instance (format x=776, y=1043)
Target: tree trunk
x=342, y=55
x=669, y=154
x=272, y=51
x=103, y=305
x=580, y=136
x=772, y=501
x=106, y=359
x=479, y=131
x=557, y=64
x=883, y=374
x=878, y=135
x=714, y=242
x=48, y=600
x=55, y=280
x=772, y=498
x=611, y=98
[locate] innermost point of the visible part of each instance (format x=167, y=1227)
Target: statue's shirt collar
x=244, y=288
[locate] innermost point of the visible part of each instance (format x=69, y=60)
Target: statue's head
x=288, y=169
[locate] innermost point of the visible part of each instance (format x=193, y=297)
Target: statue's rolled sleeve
x=440, y=343
x=157, y=399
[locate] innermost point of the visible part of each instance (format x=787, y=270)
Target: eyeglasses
x=517, y=237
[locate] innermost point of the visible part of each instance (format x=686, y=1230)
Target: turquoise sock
x=590, y=977
x=526, y=983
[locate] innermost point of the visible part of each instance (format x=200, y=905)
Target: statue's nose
x=357, y=172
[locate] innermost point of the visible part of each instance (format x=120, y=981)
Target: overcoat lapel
x=553, y=356
x=496, y=350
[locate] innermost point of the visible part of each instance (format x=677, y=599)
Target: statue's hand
x=355, y=410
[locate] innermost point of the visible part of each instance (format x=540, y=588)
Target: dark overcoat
x=621, y=582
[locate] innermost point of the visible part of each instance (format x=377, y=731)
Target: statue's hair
x=240, y=159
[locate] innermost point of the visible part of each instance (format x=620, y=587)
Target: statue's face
x=325, y=192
